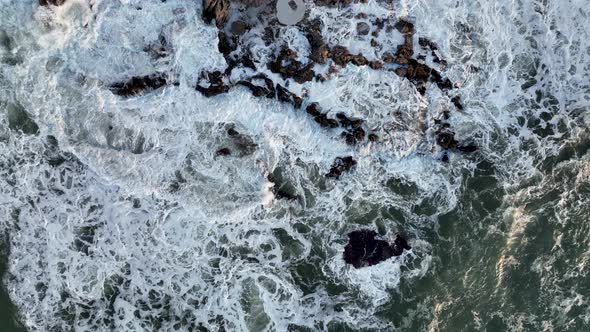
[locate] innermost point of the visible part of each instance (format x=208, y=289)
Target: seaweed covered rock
x=363, y=249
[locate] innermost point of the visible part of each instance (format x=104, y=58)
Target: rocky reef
x=364, y=249
x=286, y=69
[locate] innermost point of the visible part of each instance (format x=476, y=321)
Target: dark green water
x=8, y=316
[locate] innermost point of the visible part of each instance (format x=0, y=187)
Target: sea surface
x=116, y=213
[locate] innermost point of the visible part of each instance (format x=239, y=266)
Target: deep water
x=123, y=213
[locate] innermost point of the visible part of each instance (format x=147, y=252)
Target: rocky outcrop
x=217, y=10
x=139, y=85
x=320, y=64
x=364, y=249
x=20, y=120
x=341, y=165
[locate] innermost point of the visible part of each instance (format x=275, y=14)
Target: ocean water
x=117, y=215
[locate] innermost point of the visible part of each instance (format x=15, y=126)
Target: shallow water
x=126, y=220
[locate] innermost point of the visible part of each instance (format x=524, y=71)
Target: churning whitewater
x=184, y=165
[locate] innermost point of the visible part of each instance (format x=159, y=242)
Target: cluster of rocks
x=288, y=65
x=364, y=249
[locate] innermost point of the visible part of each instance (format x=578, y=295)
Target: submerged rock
x=341, y=165
x=363, y=249
x=51, y=2
x=138, y=85
x=19, y=120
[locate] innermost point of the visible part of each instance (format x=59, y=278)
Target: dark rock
x=139, y=85
x=457, y=102
x=281, y=189
x=313, y=109
x=467, y=148
x=238, y=27
x=159, y=50
x=363, y=249
x=340, y=165
x=446, y=139
x=373, y=137
x=51, y=2
x=286, y=96
x=417, y=72
x=20, y=121
x=225, y=44
x=376, y=65
x=363, y=28
x=304, y=74
x=267, y=90
x=217, y=10
x=359, y=60
x=215, y=82
x=223, y=152
x=404, y=26
x=319, y=50
x=399, y=245
x=374, y=43
x=287, y=66
x=340, y=55
x=243, y=143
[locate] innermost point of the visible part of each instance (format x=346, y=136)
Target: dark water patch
x=8, y=315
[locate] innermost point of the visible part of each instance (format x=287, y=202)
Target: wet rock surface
x=51, y=2
x=20, y=121
x=139, y=85
x=364, y=249
x=321, y=63
x=217, y=10
x=341, y=165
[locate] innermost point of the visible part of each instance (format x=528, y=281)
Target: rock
x=363, y=249
x=281, y=188
x=373, y=137
x=404, y=26
x=341, y=165
x=138, y=85
x=340, y=55
x=267, y=90
x=467, y=148
x=223, y=152
x=287, y=66
x=417, y=72
x=20, y=121
x=286, y=96
x=457, y=102
x=319, y=117
x=243, y=143
x=51, y=2
x=238, y=27
x=304, y=74
x=215, y=86
x=362, y=28
x=399, y=245
x=376, y=65
x=217, y=10
x=359, y=60
x=446, y=139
